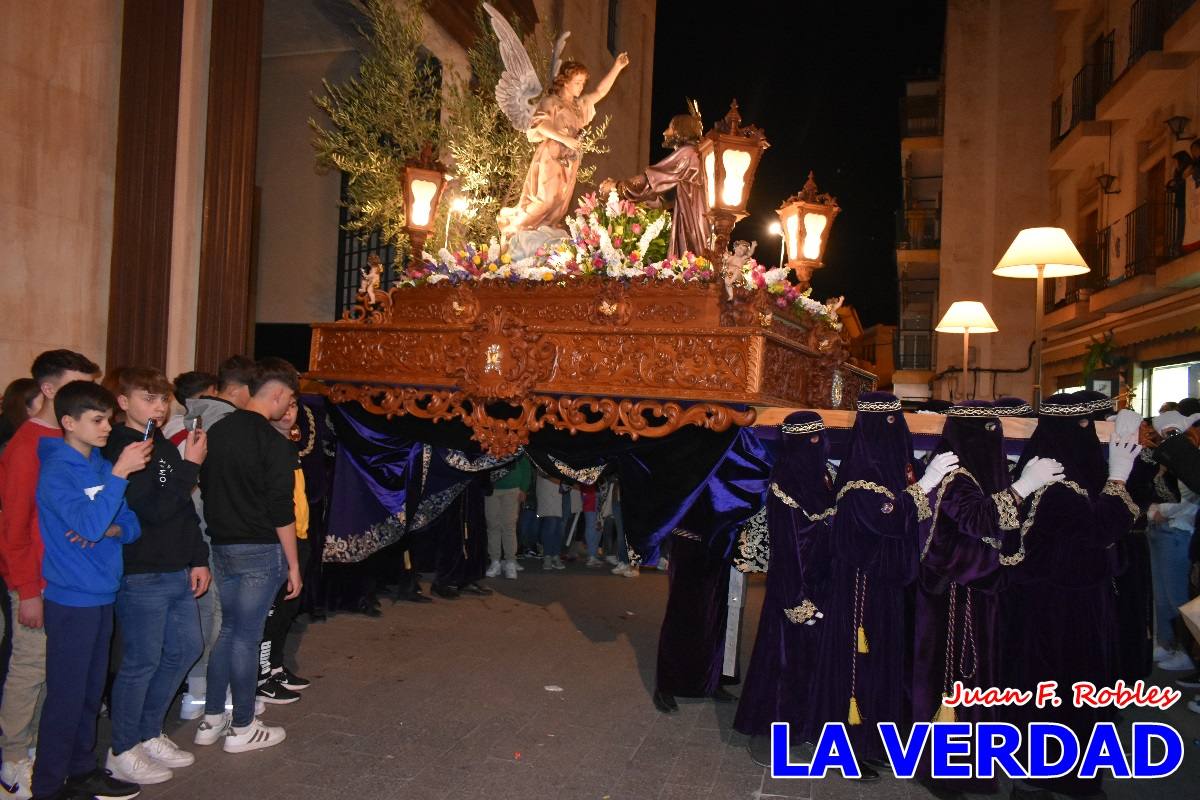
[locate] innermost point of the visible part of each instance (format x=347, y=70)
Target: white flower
x=613, y=206
x=436, y=277
x=493, y=253
x=445, y=257
x=651, y=234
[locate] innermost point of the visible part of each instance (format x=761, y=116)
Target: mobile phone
x=146, y=434
x=195, y=424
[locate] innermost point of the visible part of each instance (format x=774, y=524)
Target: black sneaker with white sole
x=290, y=680
x=100, y=784
x=274, y=692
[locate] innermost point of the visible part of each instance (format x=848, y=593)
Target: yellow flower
x=549, y=276
x=492, y=267
x=506, y=259
x=477, y=260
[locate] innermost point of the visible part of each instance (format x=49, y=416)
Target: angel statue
x=370, y=278
x=733, y=264
x=553, y=124
x=679, y=171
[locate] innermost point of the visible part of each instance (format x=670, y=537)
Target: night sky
x=823, y=80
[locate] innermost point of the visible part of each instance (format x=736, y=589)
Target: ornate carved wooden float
x=641, y=358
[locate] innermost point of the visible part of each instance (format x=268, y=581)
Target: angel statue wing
x=556, y=59
x=518, y=88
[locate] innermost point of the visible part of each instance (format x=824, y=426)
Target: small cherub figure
x=371, y=278
x=735, y=262
x=834, y=303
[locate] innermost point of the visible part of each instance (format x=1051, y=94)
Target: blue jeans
x=590, y=534
x=248, y=576
x=160, y=638
x=1170, y=566
x=550, y=529
x=76, y=670
x=527, y=529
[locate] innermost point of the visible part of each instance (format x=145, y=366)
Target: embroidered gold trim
x=1019, y=556
x=312, y=432
x=802, y=613
x=947, y=479
x=1013, y=411
x=1010, y=520
x=871, y=405
x=1115, y=489
x=970, y=411
x=1067, y=411
x=685, y=534
x=788, y=501
x=803, y=427
x=924, y=512
x=869, y=486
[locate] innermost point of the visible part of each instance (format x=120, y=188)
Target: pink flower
x=649, y=270
x=597, y=261
x=636, y=228
x=782, y=302
x=617, y=242
x=759, y=280
x=633, y=257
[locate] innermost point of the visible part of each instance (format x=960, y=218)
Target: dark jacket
x=161, y=497
x=247, y=481
x=1182, y=459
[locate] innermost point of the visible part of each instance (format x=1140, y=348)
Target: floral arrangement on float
x=616, y=239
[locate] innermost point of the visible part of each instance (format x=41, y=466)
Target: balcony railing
x=1087, y=87
x=919, y=229
x=915, y=350
x=1147, y=22
x=1152, y=236
x=921, y=115
x=1095, y=252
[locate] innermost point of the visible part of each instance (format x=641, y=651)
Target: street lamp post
x=729, y=155
x=966, y=317
x=807, y=218
x=1040, y=253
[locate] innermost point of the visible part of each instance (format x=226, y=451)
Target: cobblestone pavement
x=456, y=700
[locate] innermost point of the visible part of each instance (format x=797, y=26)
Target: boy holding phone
x=165, y=571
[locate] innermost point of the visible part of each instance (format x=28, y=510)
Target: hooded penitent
x=862, y=669
x=799, y=512
x=1058, y=611
x=974, y=513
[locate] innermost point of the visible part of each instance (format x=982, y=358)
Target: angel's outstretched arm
x=606, y=83
x=547, y=131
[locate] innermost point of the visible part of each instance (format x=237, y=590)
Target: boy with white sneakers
x=165, y=571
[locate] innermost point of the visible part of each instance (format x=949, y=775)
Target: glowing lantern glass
x=424, y=182
x=730, y=154
x=807, y=218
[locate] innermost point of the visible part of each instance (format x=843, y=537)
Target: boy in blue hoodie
x=84, y=522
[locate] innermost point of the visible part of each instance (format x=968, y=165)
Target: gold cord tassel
x=854, y=718
x=945, y=713
x=862, y=640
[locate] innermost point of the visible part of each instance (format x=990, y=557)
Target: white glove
x=1127, y=423
x=1121, y=453
x=1038, y=472
x=938, y=468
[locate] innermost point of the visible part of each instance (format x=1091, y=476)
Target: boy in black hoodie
x=165, y=571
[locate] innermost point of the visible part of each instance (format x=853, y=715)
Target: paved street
x=450, y=700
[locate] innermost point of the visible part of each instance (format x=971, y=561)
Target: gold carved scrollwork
x=610, y=306
x=462, y=307
x=499, y=359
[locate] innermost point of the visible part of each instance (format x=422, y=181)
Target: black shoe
x=447, y=592
x=1189, y=681
x=722, y=695
x=665, y=702
x=729, y=680
x=368, y=607
x=869, y=774
x=100, y=784
x=273, y=691
x=475, y=589
x=290, y=680
x=415, y=596
x=759, y=748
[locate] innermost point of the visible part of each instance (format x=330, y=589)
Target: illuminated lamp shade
x=729, y=155
x=1049, y=249
x=710, y=179
x=966, y=316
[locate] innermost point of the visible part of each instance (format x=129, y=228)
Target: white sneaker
x=259, y=705
x=520, y=568
x=166, y=752
x=510, y=570
x=593, y=562
x=662, y=565
x=548, y=562
x=558, y=563
x=17, y=777
x=1178, y=662
x=255, y=736
x=632, y=572
x=191, y=707
x=611, y=559
x=1161, y=653
x=135, y=767
x=213, y=727
x=620, y=568
x=493, y=569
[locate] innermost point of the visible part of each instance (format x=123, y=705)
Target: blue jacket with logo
x=79, y=498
